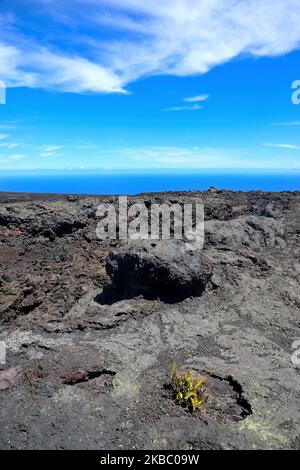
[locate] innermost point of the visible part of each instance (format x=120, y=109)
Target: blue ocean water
x=132, y=183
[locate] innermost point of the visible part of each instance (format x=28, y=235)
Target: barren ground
x=82, y=374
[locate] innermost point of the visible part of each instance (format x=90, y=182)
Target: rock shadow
x=110, y=294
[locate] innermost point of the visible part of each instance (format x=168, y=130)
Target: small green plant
x=189, y=388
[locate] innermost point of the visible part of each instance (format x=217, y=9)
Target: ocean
x=132, y=183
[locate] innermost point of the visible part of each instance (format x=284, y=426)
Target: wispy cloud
x=10, y=158
x=51, y=151
x=48, y=154
x=184, y=108
x=166, y=157
x=203, y=158
x=196, y=99
x=9, y=145
x=182, y=38
x=3, y=136
x=282, y=146
x=192, y=107
x=54, y=71
x=286, y=123
x=52, y=148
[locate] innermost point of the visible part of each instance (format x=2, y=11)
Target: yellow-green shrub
x=189, y=388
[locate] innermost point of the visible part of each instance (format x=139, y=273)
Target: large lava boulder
x=164, y=270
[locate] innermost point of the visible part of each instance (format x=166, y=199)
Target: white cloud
x=37, y=67
x=179, y=37
x=194, y=107
x=14, y=157
x=198, y=158
x=3, y=136
x=51, y=148
x=192, y=99
x=286, y=123
x=203, y=158
x=51, y=151
x=196, y=99
x=9, y=145
x=47, y=154
x=282, y=146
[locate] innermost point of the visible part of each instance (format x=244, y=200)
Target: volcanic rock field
x=91, y=327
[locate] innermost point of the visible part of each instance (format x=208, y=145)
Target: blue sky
x=130, y=84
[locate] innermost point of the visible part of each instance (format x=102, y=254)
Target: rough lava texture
x=158, y=269
x=88, y=359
